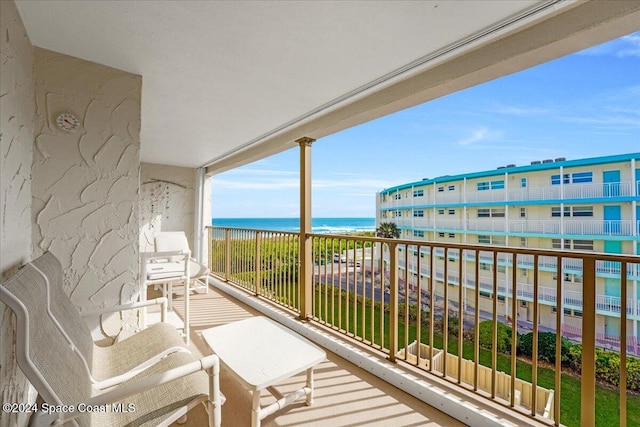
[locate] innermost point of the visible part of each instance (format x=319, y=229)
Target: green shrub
x=546, y=347
x=608, y=367
x=575, y=357
x=503, y=344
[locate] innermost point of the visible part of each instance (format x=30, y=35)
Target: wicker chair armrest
x=162, y=301
x=211, y=363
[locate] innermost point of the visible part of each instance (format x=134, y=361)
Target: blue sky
x=583, y=105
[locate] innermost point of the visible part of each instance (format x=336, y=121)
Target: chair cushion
x=165, y=270
x=129, y=353
x=157, y=404
x=197, y=270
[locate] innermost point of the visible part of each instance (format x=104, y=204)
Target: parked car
x=339, y=258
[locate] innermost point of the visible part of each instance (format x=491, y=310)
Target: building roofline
x=518, y=169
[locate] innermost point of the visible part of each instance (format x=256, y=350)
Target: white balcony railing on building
x=552, y=192
x=372, y=290
x=585, y=227
x=606, y=304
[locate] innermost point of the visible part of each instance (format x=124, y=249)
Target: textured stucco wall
x=85, y=184
x=166, y=202
x=17, y=122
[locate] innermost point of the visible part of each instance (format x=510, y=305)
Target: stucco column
x=305, y=279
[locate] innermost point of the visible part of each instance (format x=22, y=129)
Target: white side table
x=260, y=353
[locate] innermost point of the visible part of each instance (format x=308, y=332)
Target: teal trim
x=595, y=237
x=519, y=169
x=588, y=201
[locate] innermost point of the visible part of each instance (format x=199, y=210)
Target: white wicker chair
x=160, y=395
x=168, y=241
x=112, y=364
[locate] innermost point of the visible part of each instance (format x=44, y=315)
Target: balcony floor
x=345, y=395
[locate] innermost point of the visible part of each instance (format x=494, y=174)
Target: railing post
x=210, y=247
x=305, y=276
x=227, y=254
x=258, y=264
x=393, y=301
x=588, y=387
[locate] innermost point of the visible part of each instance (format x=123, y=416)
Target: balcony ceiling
x=225, y=83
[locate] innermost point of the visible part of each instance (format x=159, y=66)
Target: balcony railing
x=360, y=287
x=552, y=192
x=532, y=226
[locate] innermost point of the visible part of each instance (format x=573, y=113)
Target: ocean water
x=319, y=225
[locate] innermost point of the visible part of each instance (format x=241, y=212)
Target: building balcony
x=368, y=296
x=525, y=194
x=554, y=227
x=345, y=394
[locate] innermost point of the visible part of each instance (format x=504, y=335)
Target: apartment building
x=574, y=205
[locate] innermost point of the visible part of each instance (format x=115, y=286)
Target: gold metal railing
x=382, y=292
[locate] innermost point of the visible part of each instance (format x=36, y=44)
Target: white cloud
x=264, y=172
x=633, y=46
x=623, y=47
x=224, y=185
x=356, y=183
x=612, y=121
x=520, y=111
x=480, y=134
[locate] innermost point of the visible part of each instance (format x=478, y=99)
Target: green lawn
x=607, y=400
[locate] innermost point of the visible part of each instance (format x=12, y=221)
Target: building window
x=523, y=212
x=440, y=189
x=582, y=245
x=440, y=234
x=493, y=185
x=419, y=213
x=557, y=244
x=485, y=294
x=577, y=244
x=397, y=196
x=582, y=177
x=452, y=211
x=523, y=303
x=582, y=211
x=555, y=211
x=418, y=193
x=555, y=179
x=523, y=182
x=440, y=211
x=417, y=233
x=567, y=311
x=572, y=278
x=452, y=188
x=483, y=186
x=452, y=235
x=523, y=242
x=484, y=239
x=497, y=185
x=485, y=266
x=491, y=213
x=573, y=211
x=501, y=298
